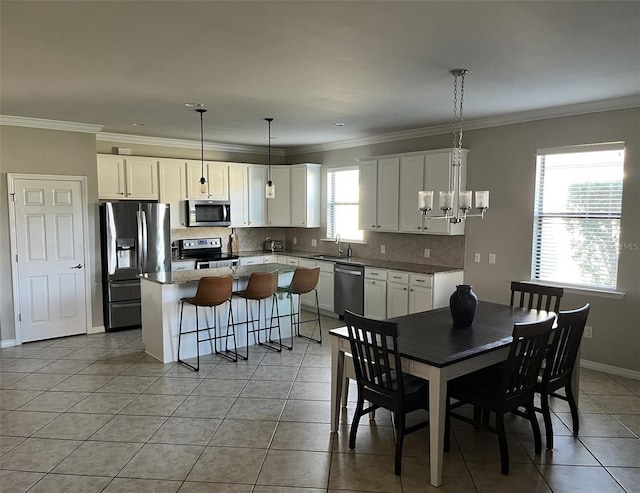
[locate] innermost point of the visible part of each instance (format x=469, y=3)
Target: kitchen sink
x=333, y=258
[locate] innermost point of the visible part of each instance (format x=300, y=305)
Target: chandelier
x=454, y=204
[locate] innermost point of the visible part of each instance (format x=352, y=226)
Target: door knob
x=79, y=266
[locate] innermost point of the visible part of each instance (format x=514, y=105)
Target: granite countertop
x=239, y=273
x=366, y=262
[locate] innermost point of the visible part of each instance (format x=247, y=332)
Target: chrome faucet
x=340, y=251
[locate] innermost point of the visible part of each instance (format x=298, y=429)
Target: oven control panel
x=200, y=243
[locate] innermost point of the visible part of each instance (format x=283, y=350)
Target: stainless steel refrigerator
x=135, y=239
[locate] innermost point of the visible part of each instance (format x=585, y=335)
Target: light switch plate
x=295, y=240
x=492, y=258
x=383, y=249
x=314, y=242
x=476, y=258
x=427, y=253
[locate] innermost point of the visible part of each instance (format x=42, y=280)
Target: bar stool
x=305, y=280
x=211, y=292
x=261, y=286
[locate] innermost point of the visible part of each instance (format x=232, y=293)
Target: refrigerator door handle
x=145, y=242
x=111, y=239
x=141, y=245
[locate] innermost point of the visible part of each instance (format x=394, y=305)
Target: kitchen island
x=161, y=294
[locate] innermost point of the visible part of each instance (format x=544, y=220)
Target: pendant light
x=455, y=204
x=270, y=190
x=203, y=180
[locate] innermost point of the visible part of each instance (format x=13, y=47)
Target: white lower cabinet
x=397, y=294
x=325, y=286
x=375, y=293
x=308, y=299
x=420, y=293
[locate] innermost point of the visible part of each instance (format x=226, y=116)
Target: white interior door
x=50, y=249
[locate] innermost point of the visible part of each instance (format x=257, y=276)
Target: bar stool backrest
x=305, y=279
x=213, y=291
x=261, y=285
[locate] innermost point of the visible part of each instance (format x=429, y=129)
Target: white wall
x=502, y=160
x=51, y=152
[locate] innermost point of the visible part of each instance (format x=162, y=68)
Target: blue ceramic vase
x=463, y=304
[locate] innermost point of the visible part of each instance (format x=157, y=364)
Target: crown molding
x=185, y=144
x=495, y=121
x=23, y=121
x=509, y=119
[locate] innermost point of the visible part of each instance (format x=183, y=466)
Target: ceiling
x=377, y=66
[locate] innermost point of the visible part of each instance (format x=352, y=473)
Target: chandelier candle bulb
x=482, y=199
x=464, y=201
x=446, y=201
x=425, y=200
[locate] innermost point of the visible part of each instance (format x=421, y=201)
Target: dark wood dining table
x=433, y=349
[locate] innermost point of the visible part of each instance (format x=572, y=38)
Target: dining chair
x=559, y=365
x=211, y=292
x=305, y=280
x=535, y=296
x=504, y=387
x=380, y=380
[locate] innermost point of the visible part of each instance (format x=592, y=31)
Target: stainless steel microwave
x=204, y=212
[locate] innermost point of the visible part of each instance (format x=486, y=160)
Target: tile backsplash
x=402, y=247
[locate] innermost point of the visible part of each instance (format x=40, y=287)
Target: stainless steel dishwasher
x=348, y=289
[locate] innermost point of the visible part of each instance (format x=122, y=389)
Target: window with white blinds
x=343, y=204
x=577, y=210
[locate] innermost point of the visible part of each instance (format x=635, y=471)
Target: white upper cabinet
x=389, y=187
x=217, y=175
x=173, y=188
x=379, y=194
x=368, y=178
x=239, y=195
x=279, y=208
x=257, y=198
x=305, y=195
x=247, y=195
x=439, y=176
x=411, y=182
x=127, y=177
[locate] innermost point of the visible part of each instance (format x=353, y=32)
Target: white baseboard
x=8, y=343
x=613, y=370
x=95, y=330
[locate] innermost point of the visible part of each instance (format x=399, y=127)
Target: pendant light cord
x=269, y=120
x=201, y=111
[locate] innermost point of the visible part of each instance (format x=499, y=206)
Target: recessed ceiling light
x=338, y=124
x=194, y=105
x=138, y=124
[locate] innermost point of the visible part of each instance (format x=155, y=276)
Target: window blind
x=343, y=204
x=578, y=204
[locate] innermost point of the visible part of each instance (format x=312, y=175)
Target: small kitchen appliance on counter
x=273, y=246
x=207, y=253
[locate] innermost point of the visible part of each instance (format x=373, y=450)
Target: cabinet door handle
x=404, y=289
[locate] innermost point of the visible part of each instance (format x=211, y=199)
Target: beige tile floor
x=94, y=413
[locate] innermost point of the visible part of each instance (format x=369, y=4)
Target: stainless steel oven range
x=207, y=253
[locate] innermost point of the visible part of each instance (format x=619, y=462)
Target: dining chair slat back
x=559, y=365
x=535, y=296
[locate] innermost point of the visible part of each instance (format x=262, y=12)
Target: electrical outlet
x=476, y=258
x=588, y=332
x=314, y=242
x=492, y=258
x=295, y=240
x=427, y=253
x=383, y=249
